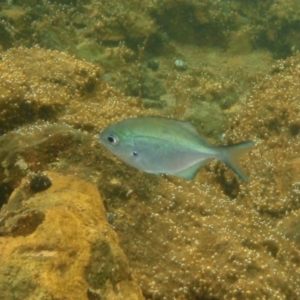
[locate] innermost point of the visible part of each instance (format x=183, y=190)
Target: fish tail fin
x=232, y=154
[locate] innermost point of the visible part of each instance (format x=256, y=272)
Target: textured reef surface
x=70, y=68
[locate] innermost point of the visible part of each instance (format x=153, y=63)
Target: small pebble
x=40, y=182
x=180, y=65
x=110, y=218
x=153, y=64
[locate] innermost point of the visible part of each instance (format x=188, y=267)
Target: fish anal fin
x=190, y=172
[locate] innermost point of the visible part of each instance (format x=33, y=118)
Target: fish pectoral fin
x=190, y=172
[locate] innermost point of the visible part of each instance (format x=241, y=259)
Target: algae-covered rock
x=206, y=116
x=58, y=244
x=39, y=85
x=63, y=25
x=196, y=22
x=88, y=51
x=271, y=118
x=213, y=238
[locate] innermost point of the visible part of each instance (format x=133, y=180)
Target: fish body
x=166, y=146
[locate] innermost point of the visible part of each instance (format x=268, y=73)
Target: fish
x=161, y=145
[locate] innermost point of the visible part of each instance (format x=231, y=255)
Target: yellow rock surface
x=72, y=252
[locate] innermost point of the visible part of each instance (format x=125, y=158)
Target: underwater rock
x=271, y=118
x=216, y=238
x=64, y=247
x=168, y=100
x=289, y=226
x=154, y=104
x=152, y=88
x=279, y=30
x=180, y=65
x=241, y=41
x=43, y=84
x=88, y=51
x=6, y=188
x=40, y=182
x=153, y=64
x=206, y=116
x=212, y=238
x=7, y=39
x=50, y=86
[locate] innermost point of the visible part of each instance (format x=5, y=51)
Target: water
x=99, y=62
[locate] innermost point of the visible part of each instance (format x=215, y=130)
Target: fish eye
x=135, y=153
x=112, y=139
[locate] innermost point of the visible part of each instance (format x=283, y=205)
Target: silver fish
x=166, y=146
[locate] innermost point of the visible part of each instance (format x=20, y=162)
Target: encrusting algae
x=57, y=247
x=212, y=238
x=43, y=85
x=271, y=118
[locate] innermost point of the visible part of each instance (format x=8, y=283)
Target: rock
x=180, y=65
x=206, y=116
x=214, y=237
x=169, y=100
x=88, y=51
x=7, y=39
x=290, y=227
x=59, y=245
x=152, y=88
x=52, y=86
x=40, y=182
x=241, y=41
x=154, y=104
x=44, y=83
x=153, y=64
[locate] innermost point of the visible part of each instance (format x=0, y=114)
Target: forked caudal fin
x=232, y=154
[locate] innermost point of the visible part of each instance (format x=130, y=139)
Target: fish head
x=119, y=140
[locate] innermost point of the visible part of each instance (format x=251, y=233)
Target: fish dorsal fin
x=192, y=129
x=190, y=172
x=189, y=127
